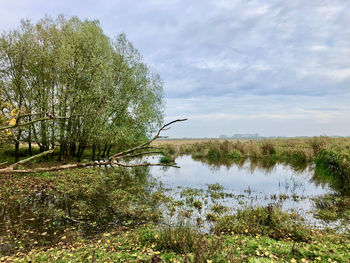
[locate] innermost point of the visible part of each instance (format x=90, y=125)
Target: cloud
x=243, y=60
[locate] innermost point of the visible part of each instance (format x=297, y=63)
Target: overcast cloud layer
x=237, y=66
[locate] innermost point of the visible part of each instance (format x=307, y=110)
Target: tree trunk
x=104, y=151
x=30, y=142
x=17, y=146
x=99, y=152
x=16, y=151
x=93, y=152
x=109, y=150
x=30, y=138
x=80, y=152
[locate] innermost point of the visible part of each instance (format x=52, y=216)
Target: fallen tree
x=115, y=160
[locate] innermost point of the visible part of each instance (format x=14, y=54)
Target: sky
x=273, y=67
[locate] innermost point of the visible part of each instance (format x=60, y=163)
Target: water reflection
x=95, y=199
x=266, y=164
x=259, y=176
x=90, y=200
x=248, y=183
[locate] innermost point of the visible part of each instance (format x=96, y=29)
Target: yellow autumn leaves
x=13, y=113
x=13, y=122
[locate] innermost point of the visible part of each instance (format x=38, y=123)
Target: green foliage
x=140, y=246
x=266, y=221
x=115, y=217
x=180, y=239
x=215, y=187
x=97, y=91
x=235, y=155
x=333, y=207
x=166, y=160
x=334, y=168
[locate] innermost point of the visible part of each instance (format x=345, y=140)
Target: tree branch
x=14, y=165
x=53, y=118
x=113, y=161
x=146, y=144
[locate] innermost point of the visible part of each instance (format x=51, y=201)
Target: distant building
x=246, y=136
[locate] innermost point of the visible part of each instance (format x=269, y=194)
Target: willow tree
x=84, y=88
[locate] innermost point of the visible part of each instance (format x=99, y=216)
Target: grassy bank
x=148, y=244
x=298, y=149
x=116, y=215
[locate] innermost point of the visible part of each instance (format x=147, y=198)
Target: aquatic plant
x=269, y=221
x=166, y=160
x=334, y=168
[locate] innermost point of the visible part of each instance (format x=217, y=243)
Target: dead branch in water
x=115, y=160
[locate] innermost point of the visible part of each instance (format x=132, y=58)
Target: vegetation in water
x=334, y=168
x=294, y=151
x=264, y=221
x=166, y=159
x=99, y=215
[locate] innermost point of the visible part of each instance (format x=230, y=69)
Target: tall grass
x=268, y=221
x=187, y=240
x=295, y=150
x=334, y=168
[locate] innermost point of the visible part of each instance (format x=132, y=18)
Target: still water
x=246, y=184
x=40, y=216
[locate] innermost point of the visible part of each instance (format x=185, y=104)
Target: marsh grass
x=332, y=207
x=186, y=240
x=180, y=239
x=265, y=221
x=334, y=168
x=295, y=150
x=128, y=246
